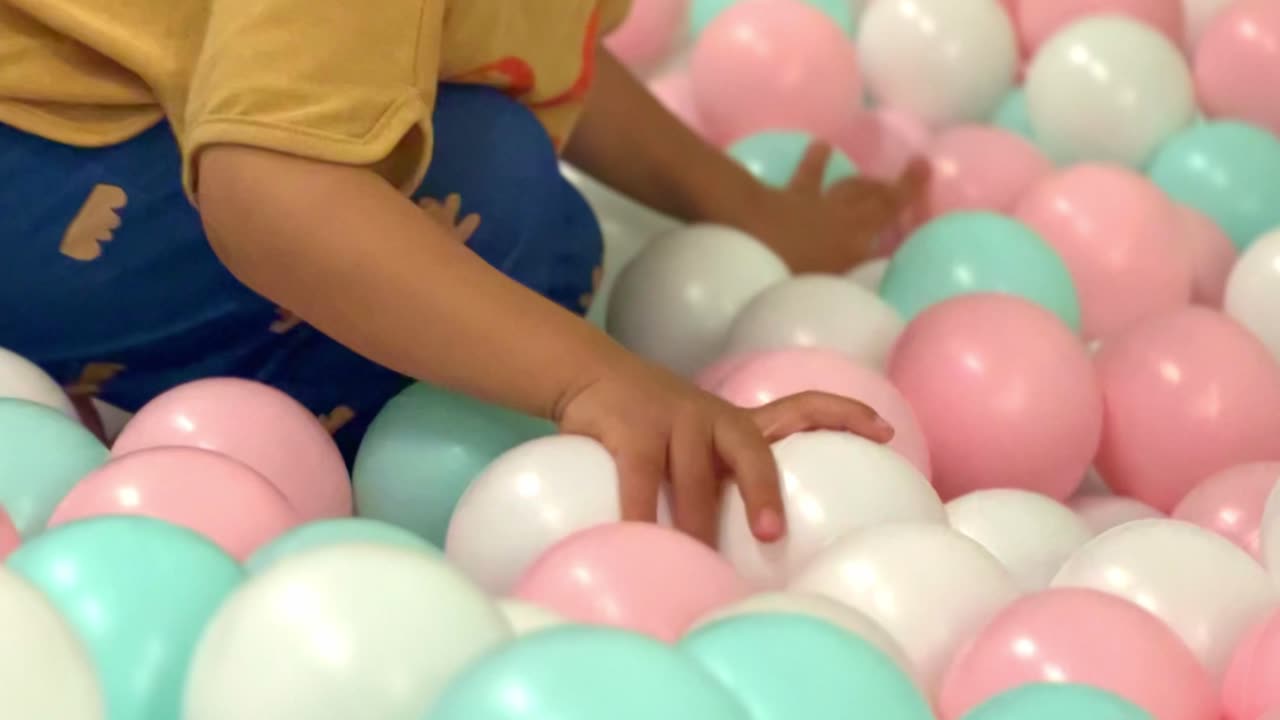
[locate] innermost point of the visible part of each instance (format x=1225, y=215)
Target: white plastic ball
x=822, y=608
x=45, y=671
x=1108, y=89
x=675, y=301
x=1103, y=512
x=869, y=274
x=527, y=618
x=341, y=632
x=530, y=498
x=832, y=483
x=1031, y=534
x=929, y=586
x=1253, y=291
x=21, y=379
x=1205, y=588
x=818, y=311
x=945, y=61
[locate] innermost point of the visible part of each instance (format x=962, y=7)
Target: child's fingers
x=696, y=486
x=812, y=169
x=912, y=184
x=641, y=470
x=749, y=461
x=820, y=411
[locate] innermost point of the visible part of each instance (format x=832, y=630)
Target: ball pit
x=1075, y=337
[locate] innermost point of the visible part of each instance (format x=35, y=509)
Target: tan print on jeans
x=337, y=418
x=94, y=224
x=93, y=377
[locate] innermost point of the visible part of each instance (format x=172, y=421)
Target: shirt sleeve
x=612, y=13
x=330, y=80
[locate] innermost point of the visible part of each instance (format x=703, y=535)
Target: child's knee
x=480, y=131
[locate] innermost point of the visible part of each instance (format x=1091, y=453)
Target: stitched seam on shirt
x=392, y=113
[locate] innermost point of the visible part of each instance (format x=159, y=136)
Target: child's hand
x=661, y=429
x=832, y=230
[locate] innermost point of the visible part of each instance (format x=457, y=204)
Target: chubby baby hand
x=661, y=429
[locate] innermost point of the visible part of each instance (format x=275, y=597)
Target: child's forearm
x=629, y=141
x=342, y=249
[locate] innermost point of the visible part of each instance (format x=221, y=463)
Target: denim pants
x=108, y=282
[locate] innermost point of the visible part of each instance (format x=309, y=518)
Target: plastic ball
x=257, y=425
x=43, y=454
x=1249, y=689
x=221, y=499
x=528, y=500
x=1156, y=378
x=1057, y=701
x=843, y=12
x=1103, y=512
x=811, y=669
x=1231, y=504
x=773, y=157
x=1237, y=62
x=928, y=585
x=766, y=377
x=45, y=669
x=586, y=673
x=1229, y=171
x=1030, y=534
x=650, y=33
x=818, y=311
x=1040, y=20
x=1213, y=256
x=138, y=593
x=353, y=630
x=338, y=531
x=639, y=577
x=675, y=302
x=963, y=253
x=987, y=373
x=1253, y=291
x=947, y=62
x=1210, y=597
x=1084, y=637
x=21, y=379
x=1118, y=236
x=1108, y=89
x=754, y=67
x=976, y=167
x=832, y=484
x=425, y=448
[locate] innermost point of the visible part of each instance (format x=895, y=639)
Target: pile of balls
x=1076, y=341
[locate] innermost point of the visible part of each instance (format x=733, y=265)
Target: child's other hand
x=663, y=430
x=833, y=229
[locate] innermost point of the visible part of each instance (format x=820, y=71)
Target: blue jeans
x=108, y=283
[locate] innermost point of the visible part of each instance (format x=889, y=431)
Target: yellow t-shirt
x=341, y=81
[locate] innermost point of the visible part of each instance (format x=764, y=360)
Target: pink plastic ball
x=776, y=375
x=639, y=577
x=650, y=33
x=1251, y=688
x=211, y=494
x=257, y=425
x=901, y=136
x=1212, y=253
x=1237, y=64
x=1005, y=394
x=982, y=168
x=9, y=537
x=713, y=376
x=675, y=91
x=1119, y=236
x=1084, y=637
x=1231, y=503
x=1038, y=20
x=775, y=65
x=1188, y=393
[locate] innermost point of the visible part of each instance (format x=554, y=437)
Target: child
x=191, y=188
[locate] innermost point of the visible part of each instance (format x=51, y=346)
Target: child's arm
x=346, y=252
x=629, y=141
